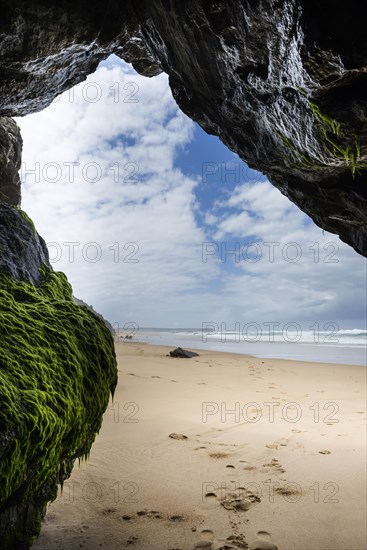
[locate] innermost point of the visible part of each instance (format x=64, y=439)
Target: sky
x=158, y=224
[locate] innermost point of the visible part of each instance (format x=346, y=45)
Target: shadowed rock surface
x=10, y=159
x=22, y=251
x=282, y=83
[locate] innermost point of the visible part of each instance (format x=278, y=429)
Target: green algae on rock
x=57, y=371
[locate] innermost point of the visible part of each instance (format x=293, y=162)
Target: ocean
x=325, y=346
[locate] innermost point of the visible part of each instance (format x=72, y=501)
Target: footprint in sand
x=150, y=514
x=263, y=542
x=131, y=540
x=218, y=455
x=207, y=539
x=108, y=511
x=177, y=517
x=277, y=444
x=210, y=495
x=240, y=500
x=155, y=376
x=159, y=515
x=273, y=466
x=286, y=491
x=179, y=437
x=325, y=452
x=234, y=542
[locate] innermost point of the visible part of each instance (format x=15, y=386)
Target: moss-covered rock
x=57, y=371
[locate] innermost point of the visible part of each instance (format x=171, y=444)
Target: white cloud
x=140, y=206
x=139, y=211
x=287, y=264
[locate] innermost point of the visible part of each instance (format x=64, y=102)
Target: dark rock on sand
x=179, y=437
x=179, y=352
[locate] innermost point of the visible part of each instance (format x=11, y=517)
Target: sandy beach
x=263, y=454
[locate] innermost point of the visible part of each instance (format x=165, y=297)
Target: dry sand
x=286, y=468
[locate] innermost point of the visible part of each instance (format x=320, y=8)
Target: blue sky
x=155, y=222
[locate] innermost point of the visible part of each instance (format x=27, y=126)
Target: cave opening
x=158, y=224
x=177, y=242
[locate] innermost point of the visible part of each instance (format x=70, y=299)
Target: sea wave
x=345, y=337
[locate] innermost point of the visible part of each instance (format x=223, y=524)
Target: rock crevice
x=10, y=161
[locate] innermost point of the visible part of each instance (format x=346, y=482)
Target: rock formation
x=183, y=353
x=57, y=371
x=281, y=82
x=22, y=251
x=107, y=323
x=10, y=159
